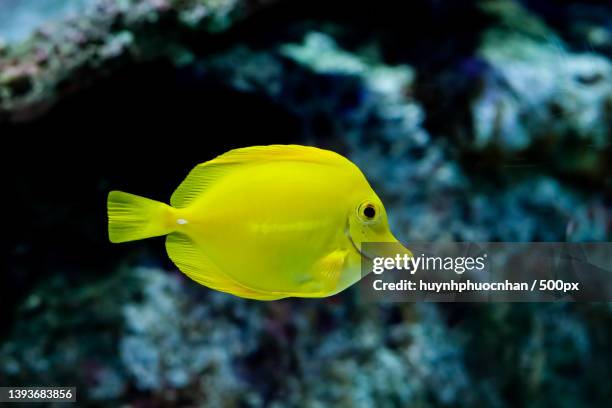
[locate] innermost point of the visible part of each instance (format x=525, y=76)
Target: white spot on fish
x=181, y=221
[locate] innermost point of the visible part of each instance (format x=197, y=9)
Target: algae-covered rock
x=19, y=18
x=540, y=95
x=62, y=57
x=155, y=337
x=530, y=96
x=566, y=93
x=162, y=334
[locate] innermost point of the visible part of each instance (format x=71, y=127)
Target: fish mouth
x=402, y=249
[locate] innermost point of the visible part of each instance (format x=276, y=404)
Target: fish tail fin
x=131, y=217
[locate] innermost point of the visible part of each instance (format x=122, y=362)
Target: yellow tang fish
x=263, y=222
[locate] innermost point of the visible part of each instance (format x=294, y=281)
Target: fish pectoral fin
x=329, y=269
x=195, y=264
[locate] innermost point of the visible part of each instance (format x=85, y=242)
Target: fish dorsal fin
x=205, y=174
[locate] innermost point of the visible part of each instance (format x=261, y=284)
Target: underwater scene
x=253, y=127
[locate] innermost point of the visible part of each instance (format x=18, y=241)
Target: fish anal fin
x=196, y=265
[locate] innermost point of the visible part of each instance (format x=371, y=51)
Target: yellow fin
x=196, y=182
x=131, y=217
x=195, y=264
x=329, y=269
x=203, y=175
x=280, y=153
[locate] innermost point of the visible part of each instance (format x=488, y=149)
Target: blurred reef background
x=474, y=121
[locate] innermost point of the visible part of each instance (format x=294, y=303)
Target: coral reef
x=19, y=18
x=63, y=58
x=155, y=338
x=536, y=91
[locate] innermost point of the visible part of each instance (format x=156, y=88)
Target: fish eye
x=368, y=211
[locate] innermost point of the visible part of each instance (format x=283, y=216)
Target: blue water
x=19, y=18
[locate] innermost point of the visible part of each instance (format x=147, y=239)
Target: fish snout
x=387, y=249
